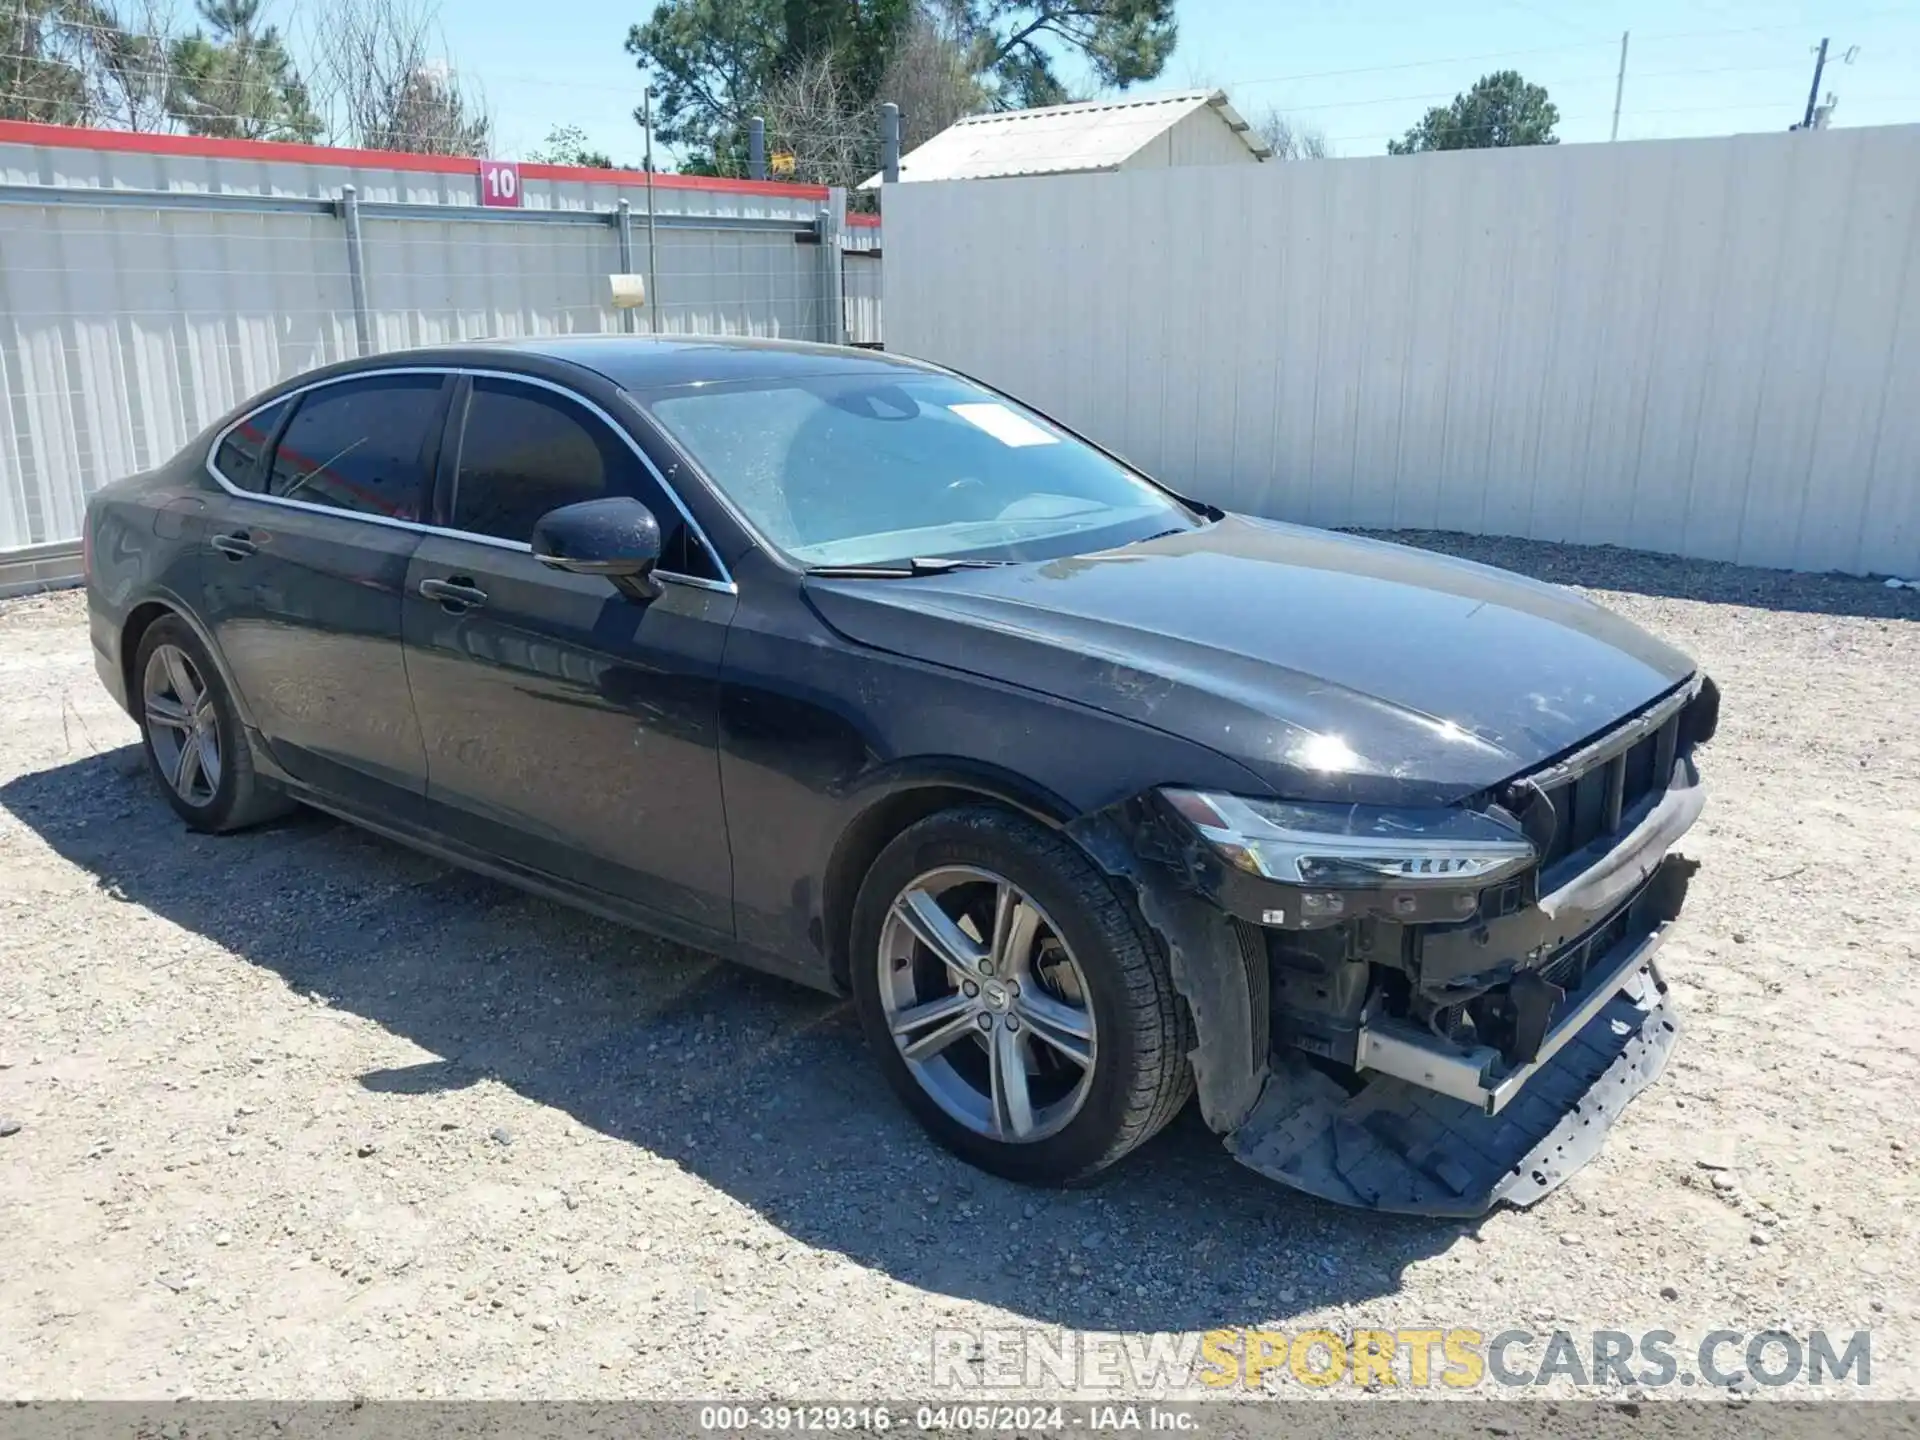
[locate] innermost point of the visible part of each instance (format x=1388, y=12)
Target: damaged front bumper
x=1477, y=1076
x=1398, y=1143
x=1355, y=1074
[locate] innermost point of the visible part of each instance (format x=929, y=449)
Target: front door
x=568, y=728
x=306, y=567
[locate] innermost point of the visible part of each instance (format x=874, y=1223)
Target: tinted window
x=360, y=446
x=238, y=458
x=526, y=451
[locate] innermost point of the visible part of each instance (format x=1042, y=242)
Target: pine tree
x=235, y=79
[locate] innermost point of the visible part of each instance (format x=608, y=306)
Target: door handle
x=455, y=594
x=237, y=546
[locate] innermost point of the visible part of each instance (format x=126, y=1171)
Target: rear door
x=567, y=728
x=306, y=567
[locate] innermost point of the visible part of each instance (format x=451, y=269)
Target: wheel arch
x=140, y=619
x=132, y=631
x=887, y=806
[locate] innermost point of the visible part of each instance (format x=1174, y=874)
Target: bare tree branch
x=811, y=116
x=134, y=67
x=383, y=83
x=1289, y=139
x=931, y=80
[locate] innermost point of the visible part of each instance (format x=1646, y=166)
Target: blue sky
x=1360, y=72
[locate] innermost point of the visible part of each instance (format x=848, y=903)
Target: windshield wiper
x=901, y=570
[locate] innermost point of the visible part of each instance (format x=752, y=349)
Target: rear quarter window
x=238, y=455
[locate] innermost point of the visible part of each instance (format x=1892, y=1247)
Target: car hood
x=1331, y=667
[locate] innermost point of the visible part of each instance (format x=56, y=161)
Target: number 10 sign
x=500, y=183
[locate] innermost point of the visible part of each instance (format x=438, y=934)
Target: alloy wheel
x=987, y=1004
x=182, y=726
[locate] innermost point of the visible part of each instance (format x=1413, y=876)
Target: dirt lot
x=303, y=1114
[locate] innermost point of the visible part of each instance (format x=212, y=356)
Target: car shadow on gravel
x=1639, y=572
x=759, y=1087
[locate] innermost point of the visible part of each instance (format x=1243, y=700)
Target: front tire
x=1015, y=999
x=196, y=746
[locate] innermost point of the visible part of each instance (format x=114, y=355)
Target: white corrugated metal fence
x=1705, y=347
x=127, y=326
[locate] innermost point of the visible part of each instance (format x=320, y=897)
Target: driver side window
x=525, y=450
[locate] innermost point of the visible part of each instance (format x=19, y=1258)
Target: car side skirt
x=549, y=887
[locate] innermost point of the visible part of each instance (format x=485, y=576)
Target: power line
x=856, y=131
x=1767, y=105
x=1406, y=65
x=1039, y=128
x=1036, y=126
x=1546, y=15
x=1560, y=86
x=1606, y=45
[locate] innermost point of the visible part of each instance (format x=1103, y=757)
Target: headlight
x=1355, y=847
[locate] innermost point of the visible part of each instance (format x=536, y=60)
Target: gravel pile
x=299, y=1113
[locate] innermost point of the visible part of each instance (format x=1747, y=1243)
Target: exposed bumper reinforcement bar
x=1432, y=1064
x=1395, y=1145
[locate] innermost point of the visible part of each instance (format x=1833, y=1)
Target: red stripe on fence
x=74, y=137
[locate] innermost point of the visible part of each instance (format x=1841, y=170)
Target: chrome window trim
x=724, y=586
x=285, y=396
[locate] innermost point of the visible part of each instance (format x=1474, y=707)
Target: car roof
x=645, y=362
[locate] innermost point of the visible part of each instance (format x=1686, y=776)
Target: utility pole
x=1813, y=91
x=1620, y=85
x=653, y=267
x=889, y=143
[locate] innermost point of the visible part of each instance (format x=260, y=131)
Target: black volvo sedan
x=856, y=671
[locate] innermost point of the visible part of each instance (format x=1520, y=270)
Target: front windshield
x=859, y=470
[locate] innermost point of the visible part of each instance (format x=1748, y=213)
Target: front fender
x=1219, y=967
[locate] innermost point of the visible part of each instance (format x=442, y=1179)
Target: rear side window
x=360, y=446
x=238, y=458
x=526, y=450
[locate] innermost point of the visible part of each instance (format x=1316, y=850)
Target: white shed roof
x=1061, y=139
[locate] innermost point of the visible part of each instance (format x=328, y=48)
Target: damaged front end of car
x=1427, y=1011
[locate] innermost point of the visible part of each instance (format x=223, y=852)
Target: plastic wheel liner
x=1369, y=1140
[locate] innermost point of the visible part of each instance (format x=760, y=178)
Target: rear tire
x=1064, y=970
x=196, y=747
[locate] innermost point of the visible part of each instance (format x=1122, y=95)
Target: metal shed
x=1151, y=132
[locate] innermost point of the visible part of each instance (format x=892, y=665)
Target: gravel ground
x=302, y=1114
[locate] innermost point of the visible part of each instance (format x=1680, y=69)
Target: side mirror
x=616, y=537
